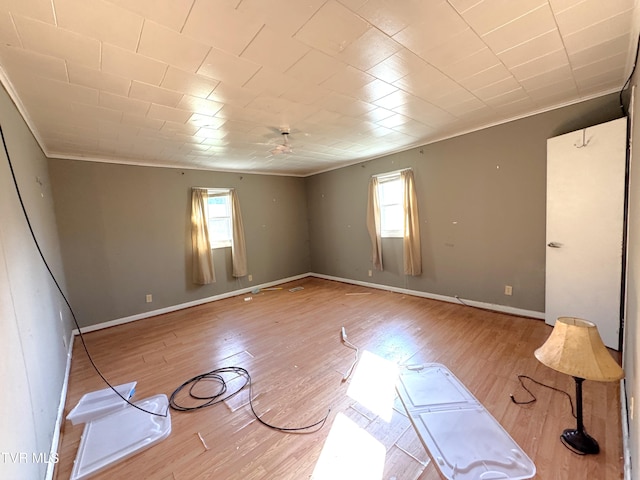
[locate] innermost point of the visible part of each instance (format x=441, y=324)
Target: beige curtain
x=373, y=223
x=203, y=271
x=238, y=248
x=411, y=238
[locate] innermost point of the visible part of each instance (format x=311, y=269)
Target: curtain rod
x=389, y=174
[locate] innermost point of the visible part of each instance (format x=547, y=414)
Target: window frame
x=387, y=204
x=220, y=192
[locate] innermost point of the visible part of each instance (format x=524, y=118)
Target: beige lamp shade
x=575, y=348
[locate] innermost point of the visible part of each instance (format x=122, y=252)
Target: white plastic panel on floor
x=465, y=441
x=121, y=434
x=101, y=402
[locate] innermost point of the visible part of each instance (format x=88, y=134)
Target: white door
x=585, y=209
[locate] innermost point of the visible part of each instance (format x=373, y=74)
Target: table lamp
x=575, y=348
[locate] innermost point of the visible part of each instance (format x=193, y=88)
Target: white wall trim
x=233, y=293
x=173, y=308
x=443, y=298
x=55, y=441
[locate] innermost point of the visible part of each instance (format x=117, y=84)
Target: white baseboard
x=444, y=298
x=233, y=293
x=173, y=308
x=55, y=441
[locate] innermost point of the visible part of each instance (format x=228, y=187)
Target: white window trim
x=213, y=192
x=383, y=178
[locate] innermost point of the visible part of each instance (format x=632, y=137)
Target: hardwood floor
x=290, y=343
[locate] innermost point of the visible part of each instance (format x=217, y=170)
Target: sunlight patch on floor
x=373, y=384
x=349, y=453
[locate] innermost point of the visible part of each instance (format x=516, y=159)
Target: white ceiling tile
x=270, y=82
x=479, y=61
x=537, y=47
x=540, y=65
x=346, y=106
x=463, y=5
x=315, y=67
x=231, y=95
x=378, y=114
x=561, y=74
x=101, y=20
x=18, y=61
x=228, y=68
x=590, y=12
x=613, y=65
x=123, y=104
x=389, y=16
x=163, y=112
x=153, y=94
x=171, y=47
x=127, y=64
x=305, y=93
x=487, y=77
x=391, y=69
x=332, y=28
x=199, y=105
x=559, y=92
x=98, y=80
x=371, y=48
x=507, y=97
x=347, y=80
x=488, y=15
x=190, y=83
x=199, y=120
x=393, y=100
x=434, y=26
x=47, y=39
x=502, y=87
x=216, y=23
x=132, y=120
x=374, y=90
x=38, y=9
x=8, y=32
x=597, y=33
x=170, y=13
x=85, y=113
x=459, y=47
x=599, y=52
x=521, y=30
x=274, y=50
x=285, y=15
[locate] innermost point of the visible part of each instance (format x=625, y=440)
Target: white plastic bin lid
x=101, y=402
x=121, y=434
x=465, y=441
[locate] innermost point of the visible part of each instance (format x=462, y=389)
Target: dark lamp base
x=580, y=441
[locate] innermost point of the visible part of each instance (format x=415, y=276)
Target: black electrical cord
x=222, y=394
x=55, y=281
x=633, y=69
x=533, y=397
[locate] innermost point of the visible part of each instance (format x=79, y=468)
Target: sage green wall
x=481, y=199
x=35, y=326
x=125, y=233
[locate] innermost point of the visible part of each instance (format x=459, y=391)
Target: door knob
x=554, y=245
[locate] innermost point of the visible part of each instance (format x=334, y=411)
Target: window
x=390, y=193
x=219, y=218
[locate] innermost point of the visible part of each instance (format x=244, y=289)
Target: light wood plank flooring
x=290, y=343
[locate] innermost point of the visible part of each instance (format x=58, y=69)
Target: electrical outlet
x=149, y=298
x=251, y=278
x=508, y=290
x=370, y=273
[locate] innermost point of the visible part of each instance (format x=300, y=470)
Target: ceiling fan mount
x=285, y=147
